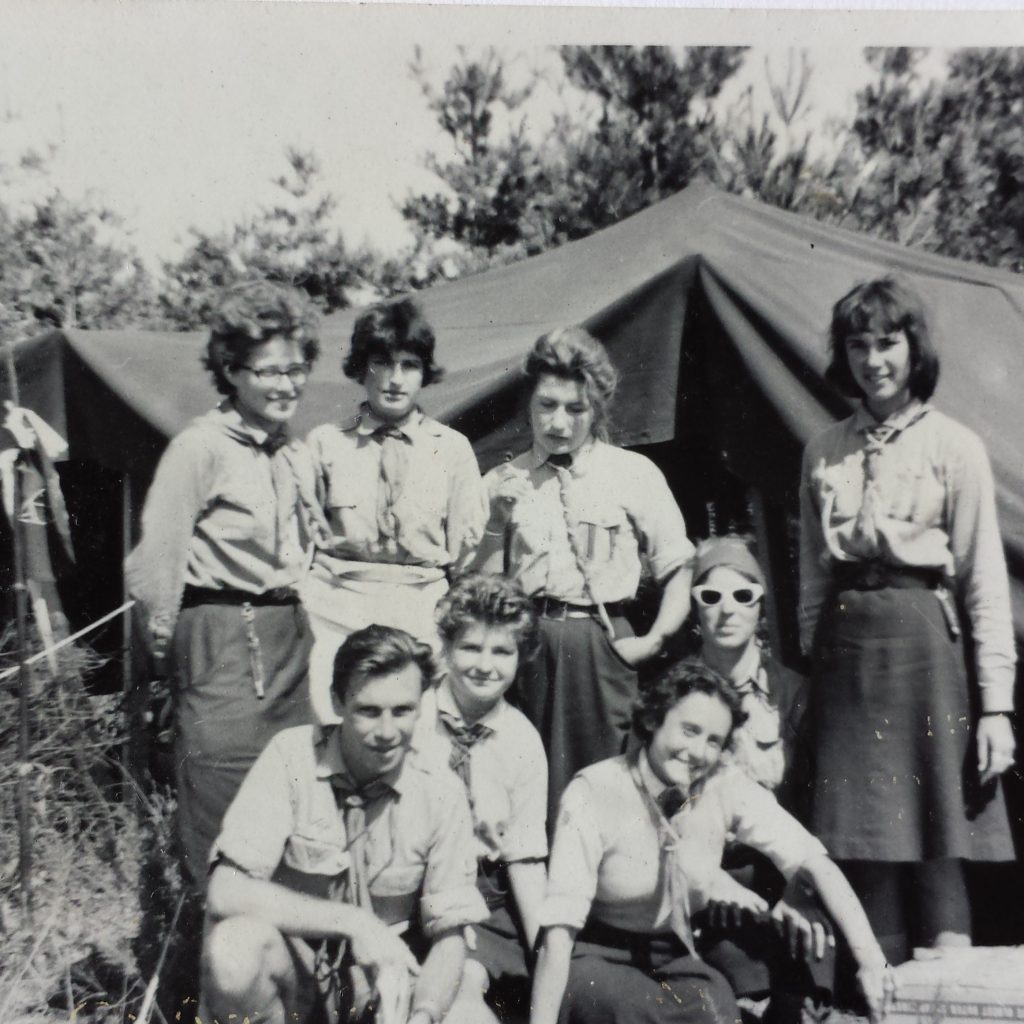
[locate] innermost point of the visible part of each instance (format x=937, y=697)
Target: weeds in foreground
x=105, y=883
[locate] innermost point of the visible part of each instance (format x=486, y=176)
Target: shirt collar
x=232, y=423
x=750, y=669
x=651, y=782
x=445, y=700
x=328, y=762
x=899, y=420
x=367, y=422
x=580, y=457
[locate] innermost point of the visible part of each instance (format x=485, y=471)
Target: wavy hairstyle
x=882, y=306
x=678, y=680
x=573, y=354
x=492, y=601
x=387, y=328
x=379, y=650
x=251, y=313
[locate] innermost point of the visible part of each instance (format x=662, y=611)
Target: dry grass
x=104, y=886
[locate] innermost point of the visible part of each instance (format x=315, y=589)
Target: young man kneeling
x=344, y=874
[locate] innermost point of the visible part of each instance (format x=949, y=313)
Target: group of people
x=422, y=755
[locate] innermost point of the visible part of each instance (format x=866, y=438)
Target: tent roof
x=702, y=285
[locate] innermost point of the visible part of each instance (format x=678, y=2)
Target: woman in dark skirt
x=227, y=531
x=901, y=563
x=575, y=521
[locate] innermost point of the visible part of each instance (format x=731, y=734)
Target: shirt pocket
x=600, y=533
x=839, y=489
x=316, y=854
x=397, y=880
x=915, y=494
x=244, y=507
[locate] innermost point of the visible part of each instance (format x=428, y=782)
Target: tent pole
x=24, y=675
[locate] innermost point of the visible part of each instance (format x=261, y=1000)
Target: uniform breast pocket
x=916, y=495
x=316, y=855
x=840, y=489
x=243, y=509
x=397, y=881
x=600, y=534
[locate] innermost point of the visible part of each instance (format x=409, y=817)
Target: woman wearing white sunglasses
x=728, y=604
x=771, y=748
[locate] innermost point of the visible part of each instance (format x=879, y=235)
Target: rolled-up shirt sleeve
x=659, y=521
x=576, y=856
x=526, y=836
x=980, y=568
x=468, y=506
x=754, y=816
x=450, y=898
x=260, y=820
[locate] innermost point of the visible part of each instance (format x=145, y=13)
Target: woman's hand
x=728, y=900
x=635, y=650
x=505, y=488
x=804, y=938
x=996, y=746
x=878, y=986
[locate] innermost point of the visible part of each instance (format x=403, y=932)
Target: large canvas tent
x=714, y=308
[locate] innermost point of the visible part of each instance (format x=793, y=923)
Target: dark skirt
x=221, y=724
x=616, y=977
x=896, y=775
x=578, y=693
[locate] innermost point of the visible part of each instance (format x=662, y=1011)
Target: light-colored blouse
x=620, y=511
x=228, y=508
x=915, y=490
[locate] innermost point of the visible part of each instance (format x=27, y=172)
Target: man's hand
x=804, y=938
x=379, y=949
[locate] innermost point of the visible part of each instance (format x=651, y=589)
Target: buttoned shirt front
x=606, y=859
x=214, y=517
x=442, y=505
x=610, y=513
x=508, y=775
x=932, y=506
x=285, y=824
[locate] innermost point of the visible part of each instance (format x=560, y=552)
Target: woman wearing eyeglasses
x=227, y=532
x=905, y=606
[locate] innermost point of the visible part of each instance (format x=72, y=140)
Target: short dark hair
x=379, y=650
x=665, y=690
x=573, y=354
x=387, y=328
x=251, y=313
x=493, y=601
x=882, y=306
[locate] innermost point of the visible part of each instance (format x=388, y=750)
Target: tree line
x=935, y=162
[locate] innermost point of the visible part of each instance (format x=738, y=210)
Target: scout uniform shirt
x=286, y=825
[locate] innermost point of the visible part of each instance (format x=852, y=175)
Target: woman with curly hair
x=905, y=609
x=637, y=852
x=228, y=529
x=488, y=632
x=576, y=521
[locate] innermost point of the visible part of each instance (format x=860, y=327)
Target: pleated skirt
x=896, y=770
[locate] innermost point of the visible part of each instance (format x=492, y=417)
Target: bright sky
x=178, y=114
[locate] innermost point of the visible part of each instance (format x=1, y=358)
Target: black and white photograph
x=510, y=515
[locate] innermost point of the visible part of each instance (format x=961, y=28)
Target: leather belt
x=880, y=576
x=552, y=608
x=195, y=596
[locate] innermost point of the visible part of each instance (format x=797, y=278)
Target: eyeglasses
x=297, y=373
x=708, y=597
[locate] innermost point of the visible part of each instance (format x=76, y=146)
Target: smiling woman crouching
x=637, y=850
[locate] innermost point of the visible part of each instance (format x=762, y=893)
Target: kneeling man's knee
x=242, y=961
